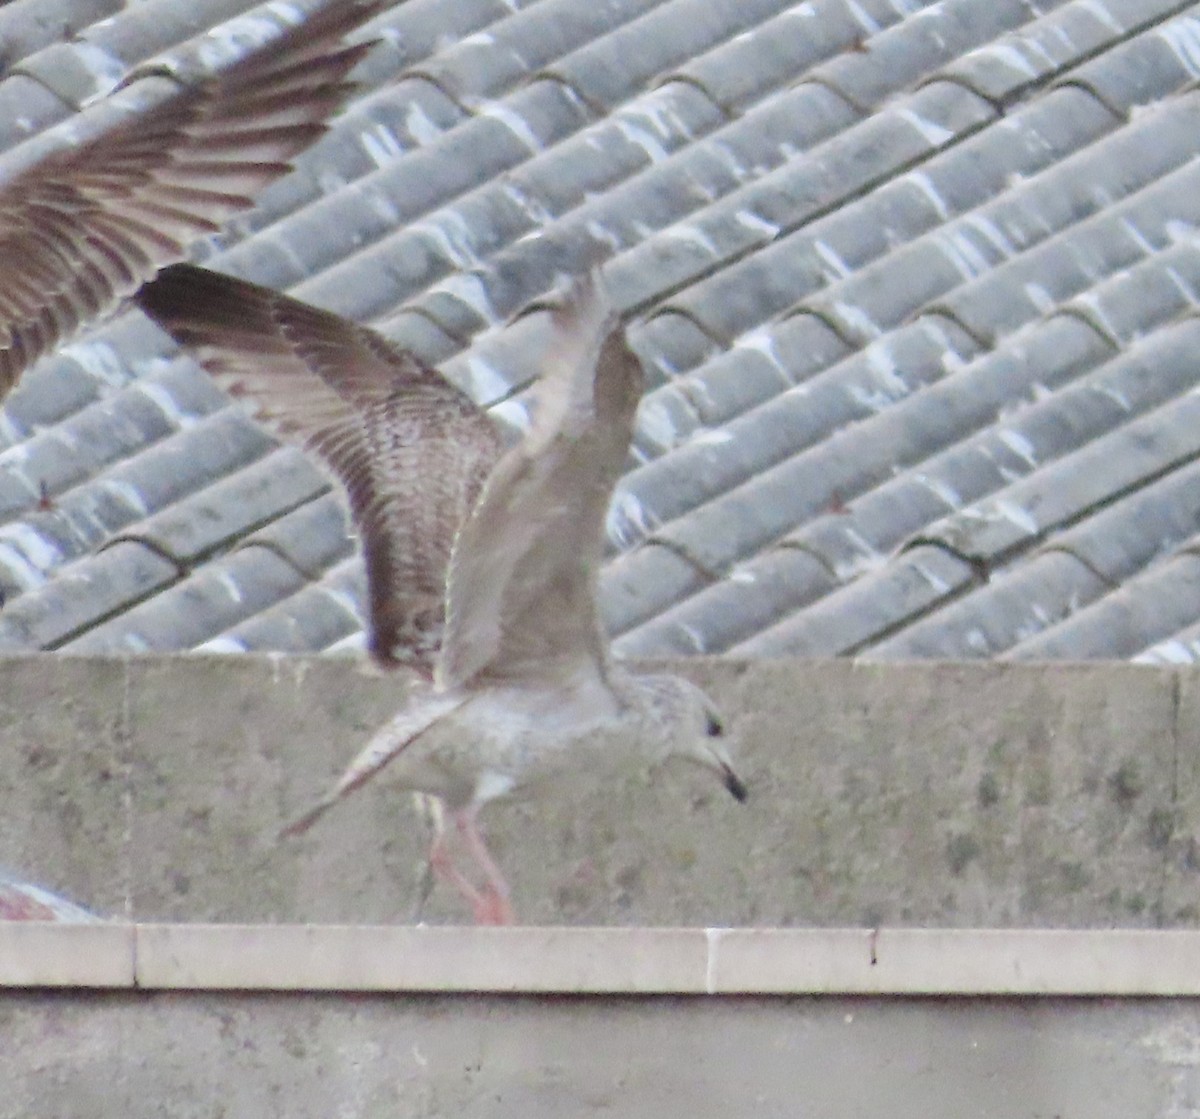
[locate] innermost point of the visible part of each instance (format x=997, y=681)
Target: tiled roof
x=915, y=285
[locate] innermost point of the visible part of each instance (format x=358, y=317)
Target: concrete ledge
x=49, y=954
x=999, y=962
x=390, y=958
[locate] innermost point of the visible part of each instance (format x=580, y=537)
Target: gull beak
x=735, y=785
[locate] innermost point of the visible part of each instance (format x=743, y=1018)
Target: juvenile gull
x=482, y=564
x=81, y=229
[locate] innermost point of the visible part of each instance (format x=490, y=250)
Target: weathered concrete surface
x=880, y=794
x=143, y=1056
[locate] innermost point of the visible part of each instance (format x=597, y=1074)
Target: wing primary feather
x=80, y=230
x=410, y=451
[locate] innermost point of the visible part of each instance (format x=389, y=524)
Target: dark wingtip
x=300, y=826
x=735, y=785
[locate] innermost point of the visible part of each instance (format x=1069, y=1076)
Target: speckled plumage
x=410, y=451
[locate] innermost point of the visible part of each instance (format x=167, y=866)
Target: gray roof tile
x=670, y=344
x=475, y=153
x=316, y=616
x=32, y=548
x=806, y=417
x=738, y=72
x=34, y=141
x=643, y=582
x=867, y=228
x=38, y=402
x=1013, y=63
x=155, y=26
x=1132, y=303
x=409, y=113
x=1138, y=528
x=903, y=55
x=76, y=520
x=180, y=450
x=999, y=265
x=1146, y=67
x=1116, y=239
x=213, y=518
x=26, y=108
x=1181, y=647
x=101, y=434
x=865, y=512
x=758, y=592
x=792, y=350
x=76, y=73
x=631, y=56
x=698, y=208
x=28, y=25
x=197, y=607
x=417, y=29
x=101, y=55
x=1116, y=460
x=514, y=48
x=488, y=219
x=657, y=191
x=851, y=619
x=1011, y=608
x=896, y=342
x=738, y=523
x=1142, y=612
x=83, y=595
x=648, y=129
x=311, y=538
x=961, y=443
x=500, y=364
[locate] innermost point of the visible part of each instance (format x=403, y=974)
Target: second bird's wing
x=83, y=228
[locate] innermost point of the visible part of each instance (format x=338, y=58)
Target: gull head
x=688, y=726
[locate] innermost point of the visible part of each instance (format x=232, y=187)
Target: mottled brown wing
x=410, y=450
x=82, y=229
x=522, y=585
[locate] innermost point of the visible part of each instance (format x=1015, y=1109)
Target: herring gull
x=482, y=563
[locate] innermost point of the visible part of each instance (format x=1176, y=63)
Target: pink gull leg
x=497, y=909
x=443, y=866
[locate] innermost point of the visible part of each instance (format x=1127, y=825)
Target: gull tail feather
x=385, y=745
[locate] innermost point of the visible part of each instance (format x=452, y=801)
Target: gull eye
x=715, y=727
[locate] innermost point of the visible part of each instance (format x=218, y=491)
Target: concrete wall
x=960, y=795
x=953, y=795
x=196, y=1056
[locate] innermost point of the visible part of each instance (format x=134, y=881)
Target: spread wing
x=522, y=585
x=83, y=228
x=416, y=718
x=411, y=451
